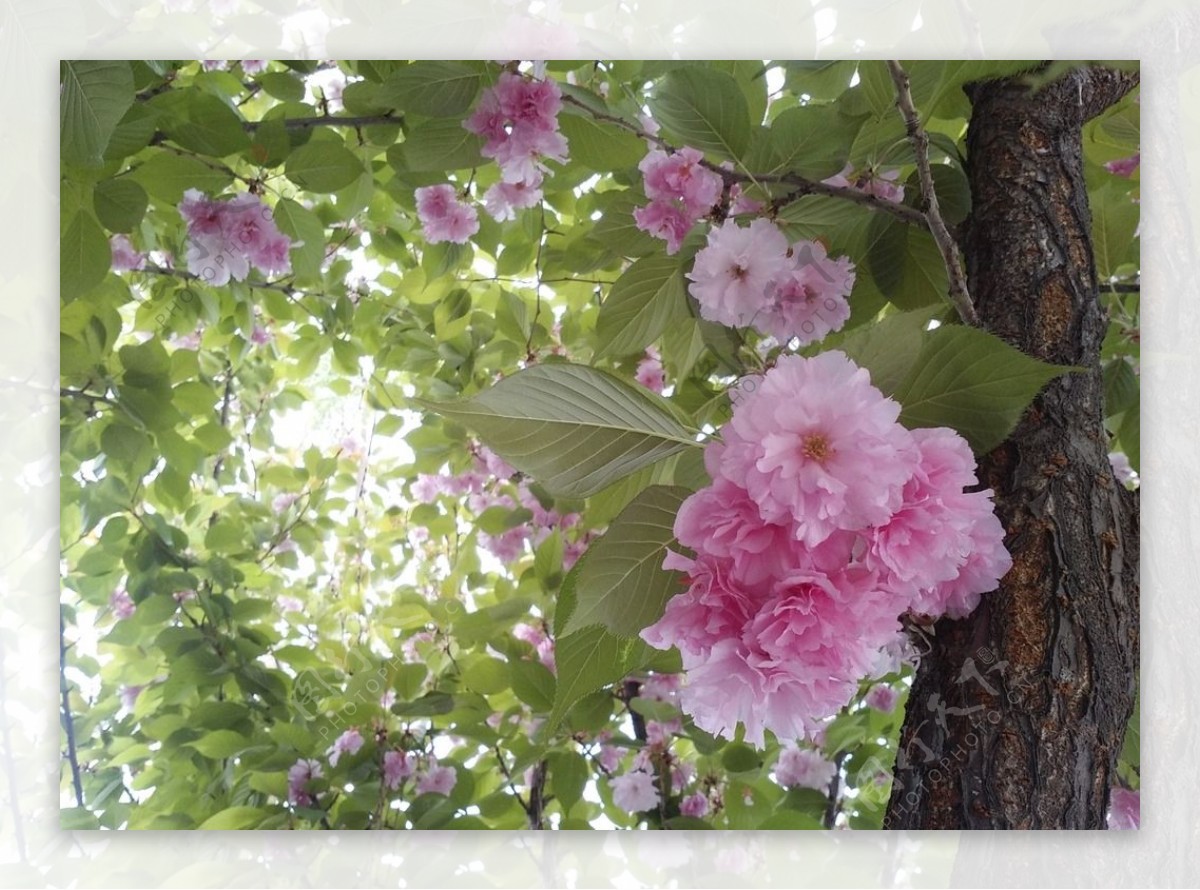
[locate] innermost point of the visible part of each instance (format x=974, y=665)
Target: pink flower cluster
x=826, y=520
x=804, y=768
x=650, y=372
x=1124, y=810
x=681, y=191
x=226, y=238
x=301, y=774
x=1124, y=167
x=752, y=276
x=519, y=119
x=124, y=257
x=443, y=216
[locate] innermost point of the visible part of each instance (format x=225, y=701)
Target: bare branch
x=67, y=719
x=959, y=295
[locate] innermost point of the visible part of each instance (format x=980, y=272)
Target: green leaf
x=1129, y=434
x=641, y=305
x=235, y=818
x=432, y=88
x=120, y=204
x=973, y=382
x=201, y=122
x=588, y=660
x=812, y=141
x=166, y=176
x=1115, y=218
x=95, y=96
x=573, y=428
x=220, y=744
x=622, y=584
x=84, y=256
x=533, y=684
x=282, y=85
x=569, y=774
x=887, y=348
x=739, y=757
x=323, y=167
x=601, y=146
x=439, y=145
x=705, y=109
x=1121, y=388
x=308, y=238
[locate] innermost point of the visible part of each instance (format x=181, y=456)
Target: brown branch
x=328, y=120
x=68, y=720
x=958, y=294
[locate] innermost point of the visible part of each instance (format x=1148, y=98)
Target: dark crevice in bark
x=1017, y=714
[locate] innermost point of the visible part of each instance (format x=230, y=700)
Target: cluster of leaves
x=240, y=460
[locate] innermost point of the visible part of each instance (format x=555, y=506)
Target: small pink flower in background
x=301, y=773
x=387, y=699
x=870, y=182
x=187, y=341
x=282, y=501
x=1124, y=810
x=443, y=216
x=664, y=221
x=397, y=766
x=427, y=488
x=504, y=199
x=349, y=742
x=183, y=596
x=1124, y=167
x=609, y=758
x=694, y=805
x=122, y=603
x=260, y=336
x=289, y=604
x=1124, y=470
x=882, y=697
x=124, y=257
x=650, y=372
x=682, y=773
x=409, y=647
x=634, y=792
x=490, y=462
x=214, y=64
x=437, y=779
x=129, y=696
x=804, y=769
x=649, y=124
x=329, y=83
x=507, y=546
x=661, y=687
x=740, y=202
x=254, y=66
x=660, y=733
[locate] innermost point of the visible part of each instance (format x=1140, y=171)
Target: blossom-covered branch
x=800, y=185
x=959, y=295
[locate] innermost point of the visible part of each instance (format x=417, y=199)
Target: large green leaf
x=1115, y=219
x=202, y=123
x=973, y=382
x=440, y=144
x=573, y=428
x=705, y=109
x=95, y=96
x=120, y=203
x=166, y=176
x=643, y=302
x=811, y=140
x=433, y=88
x=601, y=146
x=84, y=258
x=308, y=238
x=622, y=584
x=888, y=348
x=323, y=166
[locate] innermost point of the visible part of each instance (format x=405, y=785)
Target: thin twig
x=68, y=720
x=835, y=792
x=959, y=296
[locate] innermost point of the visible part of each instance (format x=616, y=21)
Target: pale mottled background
x=1164, y=34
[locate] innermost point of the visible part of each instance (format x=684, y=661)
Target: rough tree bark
x=1018, y=712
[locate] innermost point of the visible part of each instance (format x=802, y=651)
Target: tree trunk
x=1018, y=712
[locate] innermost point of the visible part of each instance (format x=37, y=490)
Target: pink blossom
x=282, y=501
x=508, y=546
x=214, y=64
x=740, y=203
x=649, y=125
x=882, y=697
x=503, y=199
x=1124, y=167
x=870, y=182
x=122, y=603
x=254, y=66
x=609, y=758
x=694, y=805
x=804, y=768
x=387, y=699
x=650, y=372
x=518, y=118
x=490, y=462
x=187, y=341
x=809, y=301
x=129, y=696
x=289, y=604
x=124, y=257
x=260, y=336
x=734, y=271
x=634, y=791
x=1124, y=810
x=226, y=237
x=443, y=216
x=1124, y=470
x=437, y=779
x=665, y=221
x=349, y=742
x=661, y=687
x=427, y=488
x=397, y=766
x=818, y=446
x=300, y=775
x=682, y=179
x=659, y=732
